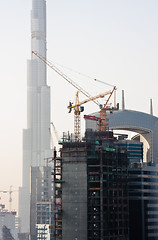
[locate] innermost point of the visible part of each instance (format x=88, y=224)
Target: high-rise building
x=143, y=203
x=94, y=189
x=36, y=138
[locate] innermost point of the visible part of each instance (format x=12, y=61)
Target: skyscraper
x=91, y=189
x=36, y=138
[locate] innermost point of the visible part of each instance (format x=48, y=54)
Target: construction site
x=99, y=183
x=91, y=189
x=90, y=177
x=103, y=189
x=94, y=183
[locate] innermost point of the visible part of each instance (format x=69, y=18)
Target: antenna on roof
x=123, y=100
x=151, y=107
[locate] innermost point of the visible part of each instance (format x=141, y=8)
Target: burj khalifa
x=36, y=138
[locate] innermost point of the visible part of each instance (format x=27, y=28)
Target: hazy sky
x=114, y=41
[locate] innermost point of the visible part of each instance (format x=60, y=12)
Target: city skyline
x=115, y=42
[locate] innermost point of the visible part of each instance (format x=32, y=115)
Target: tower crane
x=114, y=89
x=10, y=196
x=77, y=107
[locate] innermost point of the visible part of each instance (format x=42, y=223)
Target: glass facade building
x=143, y=201
x=143, y=193
x=134, y=150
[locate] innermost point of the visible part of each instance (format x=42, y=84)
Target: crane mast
x=77, y=119
x=78, y=109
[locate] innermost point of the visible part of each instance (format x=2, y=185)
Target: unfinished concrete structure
x=57, y=173
x=94, y=199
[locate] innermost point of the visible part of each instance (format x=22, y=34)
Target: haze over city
x=114, y=41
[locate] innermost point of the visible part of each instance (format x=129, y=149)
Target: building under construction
x=41, y=215
x=92, y=189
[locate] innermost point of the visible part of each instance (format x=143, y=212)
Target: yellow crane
x=77, y=107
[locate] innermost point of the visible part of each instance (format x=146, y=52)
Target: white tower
x=36, y=138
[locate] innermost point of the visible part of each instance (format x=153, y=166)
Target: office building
x=143, y=201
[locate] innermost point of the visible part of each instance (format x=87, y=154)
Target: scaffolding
x=102, y=163
x=57, y=173
x=107, y=169
x=44, y=212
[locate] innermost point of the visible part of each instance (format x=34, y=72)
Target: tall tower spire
x=36, y=138
x=38, y=36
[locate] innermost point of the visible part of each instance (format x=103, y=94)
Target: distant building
x=41, y=211
x=6, y=235
x=8, y=223
x=23, y=236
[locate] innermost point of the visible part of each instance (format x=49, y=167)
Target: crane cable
x=63, y=75
x=83, y=74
